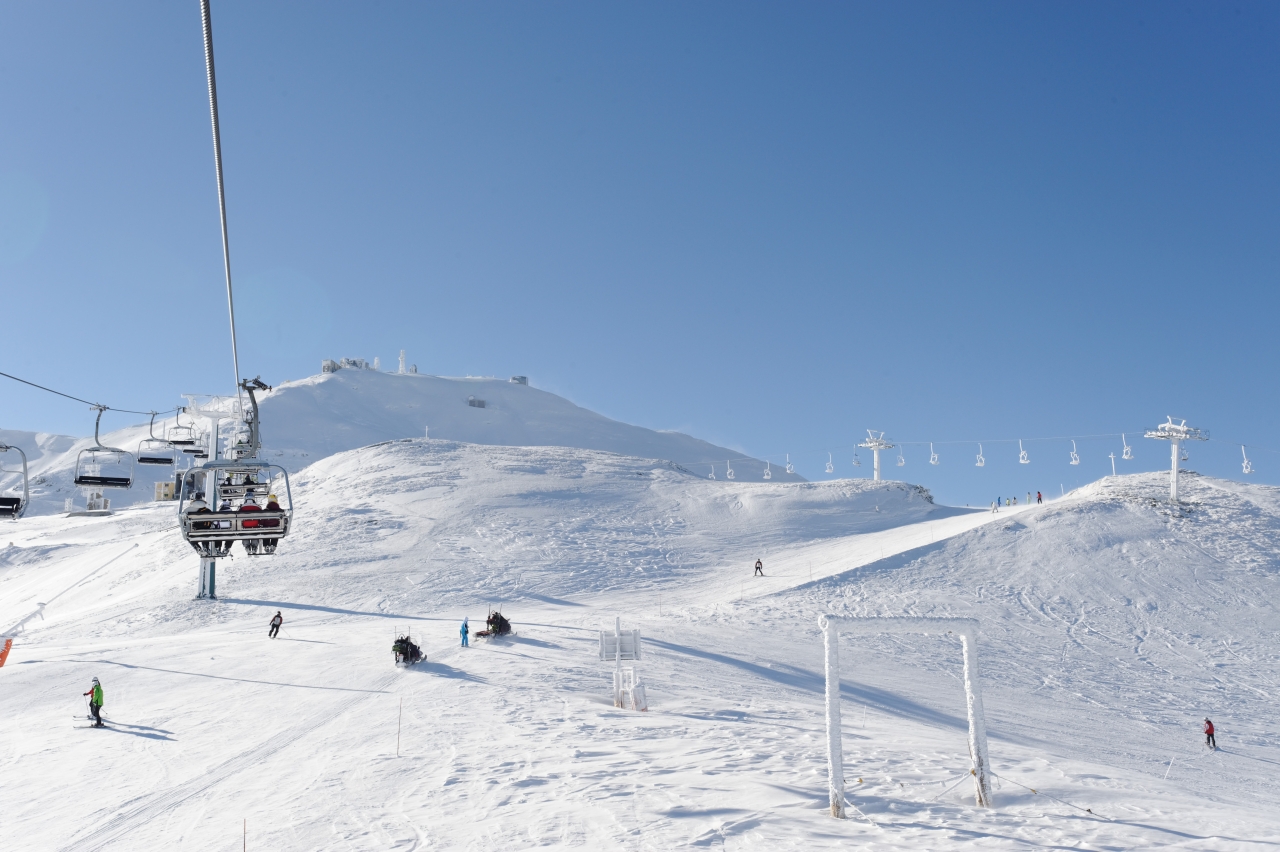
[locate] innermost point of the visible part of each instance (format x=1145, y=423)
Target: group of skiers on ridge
x=1013, y=501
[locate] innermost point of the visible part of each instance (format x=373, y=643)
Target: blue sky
x=770, y=225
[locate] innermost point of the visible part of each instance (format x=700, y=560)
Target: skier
x=95, y=703
x=465, y=632
x=759, y=569
x=993, y=507
x=1039, y=499
x=275, y=625
x=1208, y=735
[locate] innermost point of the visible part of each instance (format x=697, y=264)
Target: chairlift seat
x=10, y=507
x=103, y=481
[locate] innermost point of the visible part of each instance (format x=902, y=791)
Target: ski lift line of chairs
x=90, y=463
x=981, y=461
x=14, y=507
x=240, y=489
x=1127, y=455
x=933, y=457
x=1075, y=457
x=1246, y=465
x=153, y=450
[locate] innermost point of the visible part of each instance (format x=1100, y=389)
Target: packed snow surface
x=1110, y=625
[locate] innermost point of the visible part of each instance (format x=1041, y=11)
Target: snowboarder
x=993, y=507
x=759, y=569
x=1208, y=735
x=95, y=703
x=1039, y=499
x=464, y=631
x=275, y=625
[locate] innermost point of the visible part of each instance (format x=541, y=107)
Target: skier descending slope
x=95, y=703
x=275, y=625
x=1208, y=735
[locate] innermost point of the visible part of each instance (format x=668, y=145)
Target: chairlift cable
x=222, y=200
x=85, y=401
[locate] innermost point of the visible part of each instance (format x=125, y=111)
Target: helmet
x=95, y=680
x=271, y=497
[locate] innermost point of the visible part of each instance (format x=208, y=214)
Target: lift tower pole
x=875, y=443
x=1175, y=434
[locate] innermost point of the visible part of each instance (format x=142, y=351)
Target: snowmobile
x=495, y=625
x=405, y=651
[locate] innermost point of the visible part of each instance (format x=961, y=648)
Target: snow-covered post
x=977, y=717
x=1173, y=477
x=835, y=747
x=617, y=661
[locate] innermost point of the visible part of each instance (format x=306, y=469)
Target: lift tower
x=1175, y=434
x=875, y=443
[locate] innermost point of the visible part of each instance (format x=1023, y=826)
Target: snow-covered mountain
x=1110, y=624
x=311, y=419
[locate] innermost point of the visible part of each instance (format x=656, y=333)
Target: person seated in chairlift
x=250, y=506
x=226, y=506
x=197, y=506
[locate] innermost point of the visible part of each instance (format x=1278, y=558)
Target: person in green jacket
x=95, y=703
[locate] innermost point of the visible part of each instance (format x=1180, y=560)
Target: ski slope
x=1110, y=625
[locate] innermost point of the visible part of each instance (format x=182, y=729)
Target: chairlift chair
x=856, y=461
x=1247, y=465
x=933, y=457
x=790, y=467
x=1127, y=455
x=10, y=506
x=1075, y=458
x=235, y=483
x=712, y=474
x=768, y=474
x=831, y=465
x=981, y=461
x=90, y=463
x=179, y=435
x=155, y=450
x=1186, y=456
x=901, y=460
x=1023, y=458
x=728, y=473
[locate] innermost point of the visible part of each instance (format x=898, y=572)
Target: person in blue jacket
x=464, y=631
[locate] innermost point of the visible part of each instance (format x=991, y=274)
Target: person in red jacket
x=1208, y=735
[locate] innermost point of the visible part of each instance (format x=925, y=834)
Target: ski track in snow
x=1110, y=625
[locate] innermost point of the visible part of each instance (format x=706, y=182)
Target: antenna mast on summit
x=875, y=443
x=1175, y=434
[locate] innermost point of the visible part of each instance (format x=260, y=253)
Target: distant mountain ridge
x=316, y=417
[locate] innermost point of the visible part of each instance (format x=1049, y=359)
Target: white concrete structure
x=1175, y=434
x=966, y=629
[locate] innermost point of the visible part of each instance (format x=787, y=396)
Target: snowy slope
x=311, y=419
x=1109, y=626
